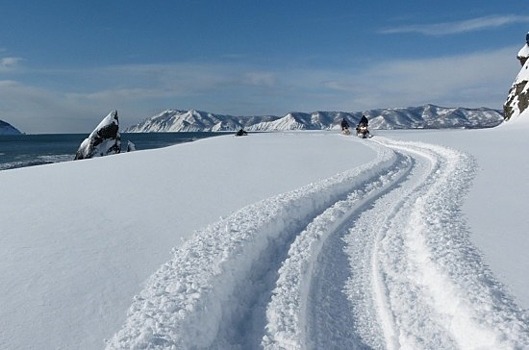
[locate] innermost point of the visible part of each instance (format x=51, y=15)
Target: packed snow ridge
x=276, y=275
x=424, y=117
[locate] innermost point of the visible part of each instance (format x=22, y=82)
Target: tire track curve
x=416, y=281
x=307, y=307
x=377, y=257
x=212, y=294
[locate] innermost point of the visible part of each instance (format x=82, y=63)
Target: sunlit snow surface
x=302, y=240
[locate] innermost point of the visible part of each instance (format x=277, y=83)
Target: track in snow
x=377, y=257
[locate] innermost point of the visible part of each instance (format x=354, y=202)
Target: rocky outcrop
x=104, y=140
x=518, y=98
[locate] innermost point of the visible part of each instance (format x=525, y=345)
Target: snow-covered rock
x=8, y=129
x=424, y=117
x=104, y=140
x=518, y=98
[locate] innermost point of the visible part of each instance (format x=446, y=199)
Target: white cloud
x=267, y=79
x=36, y=110
x=479, y=79
x=9, y=63
x=469, y=25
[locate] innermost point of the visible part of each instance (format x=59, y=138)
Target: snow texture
x=414, y=279
x=300, y=240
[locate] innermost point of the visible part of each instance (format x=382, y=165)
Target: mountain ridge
x=423, y=117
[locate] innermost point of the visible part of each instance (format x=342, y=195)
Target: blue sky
x=65, y=64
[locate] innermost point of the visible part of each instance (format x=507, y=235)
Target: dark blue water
x=18, y=151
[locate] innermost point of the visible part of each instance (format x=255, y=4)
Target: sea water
x=18, y=151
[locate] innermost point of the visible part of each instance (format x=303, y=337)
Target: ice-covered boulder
x=104, y=140
x=518, y=98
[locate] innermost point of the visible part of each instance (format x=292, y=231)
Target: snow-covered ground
x=302, y=240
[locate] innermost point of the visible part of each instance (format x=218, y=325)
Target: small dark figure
x=345, y=125
x=241, y=132
x=361, y=128
x=363, y=120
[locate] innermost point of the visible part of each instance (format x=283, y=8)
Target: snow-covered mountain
x=423, y=117
x=178, y=120
x=434, y=117
x=8, y=129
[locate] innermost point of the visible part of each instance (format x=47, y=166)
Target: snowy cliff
x=424, y=117
x=104, y=140
x=518, y=98
x=8, y=129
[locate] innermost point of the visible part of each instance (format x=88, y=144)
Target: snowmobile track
x=377, y=257
x=418, y=269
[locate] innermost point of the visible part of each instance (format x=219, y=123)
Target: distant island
x=8, y=129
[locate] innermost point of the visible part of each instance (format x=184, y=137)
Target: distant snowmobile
x=241, y=132
x=361, y=128
x=345, y=127
x=362, y=131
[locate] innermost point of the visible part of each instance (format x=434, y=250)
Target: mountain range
x=423, y=117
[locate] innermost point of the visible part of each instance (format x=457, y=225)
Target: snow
x=524, y=52
x=289, y=240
